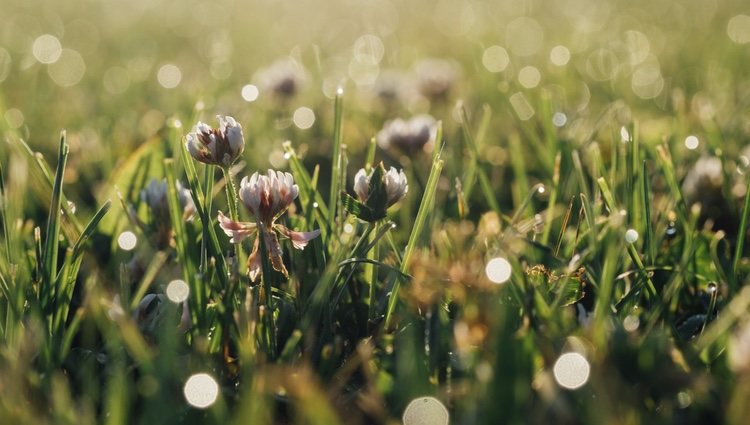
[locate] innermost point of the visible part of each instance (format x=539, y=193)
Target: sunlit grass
x=484, y=212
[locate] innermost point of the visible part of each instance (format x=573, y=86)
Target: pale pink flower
x=410, y=136
x=396, y=185
x=217, y=146
x=267, y=197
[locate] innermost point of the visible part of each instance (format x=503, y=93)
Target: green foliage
x=620, y=248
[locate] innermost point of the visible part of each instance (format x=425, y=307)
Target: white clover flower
x=155, y=196
x=395, y=182
x=217, y=146
x=267, y=197
x=704, y=185
x=436, y=77
x=283, y=79
x=410, y=136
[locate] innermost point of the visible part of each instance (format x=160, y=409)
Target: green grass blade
x=337, y=159
x=52, y=234
x=740, y=238
x=425, y=208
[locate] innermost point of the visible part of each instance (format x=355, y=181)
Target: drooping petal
x=254, y=265
x=274, y=251
x=299, y=239
x=237, y=231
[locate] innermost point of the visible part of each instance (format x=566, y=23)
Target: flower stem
x=231, y=194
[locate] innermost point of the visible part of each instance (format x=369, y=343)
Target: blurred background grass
x=535, y=80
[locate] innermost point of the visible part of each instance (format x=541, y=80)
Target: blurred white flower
x=155, y=196
x=267, y=197
x=218, y=146
x=704, y=185
x=410, y=136
x=149, y=315
x=283, y=79
x=436, y=77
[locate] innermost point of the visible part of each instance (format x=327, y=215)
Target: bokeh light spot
x=631, y=236
x=559, y=119
x=14, y=117
x=426, y=411
x=369, y=49
x=498, y=270
x=68, y=70
x=529, y=77
x=177, y=291
x=559, y=55
x=250, y=92
x=127, y=240
x=692, y=142
x=495, y=59
x=571, y=371
x=738, y=29
x=521, y=106
x=46, y=49
x=303, y=117
x=169, y=76
x=201, y=390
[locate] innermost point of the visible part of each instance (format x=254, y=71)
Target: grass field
x=374, y=212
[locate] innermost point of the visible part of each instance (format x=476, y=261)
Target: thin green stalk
x=269, y=334
x=649, y=236
x=336, y=160
x=425, y=208
x=231, y=194
x=609, y=201
x=552, y=200
x=4, y=217
x=52, y=235
x=740, y=238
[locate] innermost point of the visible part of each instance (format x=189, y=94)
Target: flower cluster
x=376, y=191
x=217, y=146
x=267, y=197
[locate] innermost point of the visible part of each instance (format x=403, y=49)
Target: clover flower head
x=267, y=197
x=283, y=79
x=410, y=136
x=394, y=180
x=704, y=185
x=390, y=86
x=217, y=146
x=155, y=196
x=436, y=77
